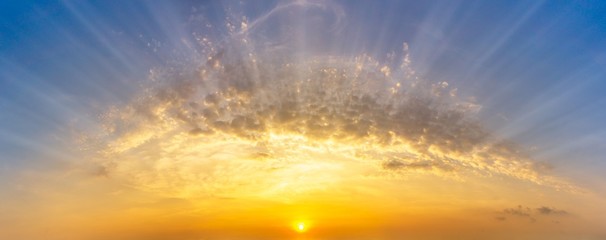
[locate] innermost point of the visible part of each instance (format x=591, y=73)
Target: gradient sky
x=359, y=119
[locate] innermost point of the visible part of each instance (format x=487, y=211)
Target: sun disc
x=301, y=227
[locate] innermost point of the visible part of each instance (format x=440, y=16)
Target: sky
x=302, y=120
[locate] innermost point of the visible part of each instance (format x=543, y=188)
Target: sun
x=300, y=227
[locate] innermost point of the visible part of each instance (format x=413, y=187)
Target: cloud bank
x=240, y=110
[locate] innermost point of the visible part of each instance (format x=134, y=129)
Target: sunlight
x=301, y=227
x=299, y=119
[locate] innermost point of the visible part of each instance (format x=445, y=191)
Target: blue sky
x=536, y=68
x=538, y=64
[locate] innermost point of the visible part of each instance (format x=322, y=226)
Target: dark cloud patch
x=394, y=165
x=532, y=214
x=551, y=211
x=100, y=171
x=520, y=211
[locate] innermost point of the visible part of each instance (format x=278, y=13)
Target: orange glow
x=247, y=143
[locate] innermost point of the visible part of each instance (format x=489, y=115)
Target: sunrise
x=315, y=120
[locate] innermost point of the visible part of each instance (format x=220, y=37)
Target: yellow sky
x=250, y=150
x=191, y=187
x=422, y=206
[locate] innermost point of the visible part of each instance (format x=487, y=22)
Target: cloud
x=100, y=171
x=242, y=104
x=551, y=211
x=530, y=213
x=519, y=211
x=418, y=165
